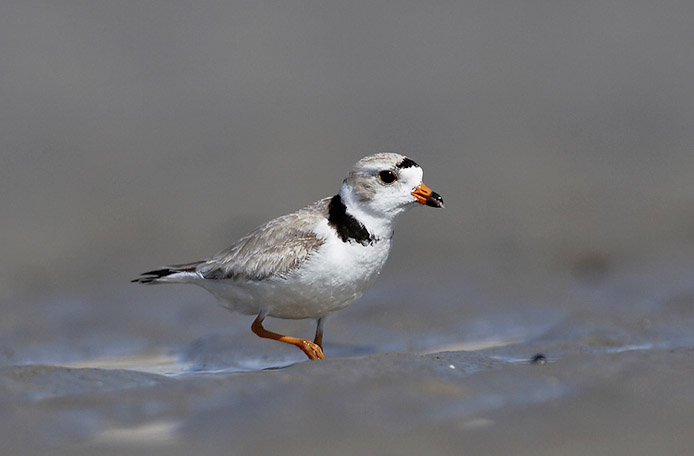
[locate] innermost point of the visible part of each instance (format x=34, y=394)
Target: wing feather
x=272, y=250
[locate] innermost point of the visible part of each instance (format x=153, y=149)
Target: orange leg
x=318, y=340
x=311, y=349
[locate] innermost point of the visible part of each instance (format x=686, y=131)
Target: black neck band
x=347, y=227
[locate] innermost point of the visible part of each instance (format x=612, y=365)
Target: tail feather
x=155, y=275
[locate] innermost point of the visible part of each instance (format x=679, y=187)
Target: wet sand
x=179, y=375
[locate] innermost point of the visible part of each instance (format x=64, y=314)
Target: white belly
x=331, y=279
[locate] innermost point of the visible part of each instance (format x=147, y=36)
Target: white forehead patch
x=412, y=175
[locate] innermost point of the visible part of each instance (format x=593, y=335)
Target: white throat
x=379, y=225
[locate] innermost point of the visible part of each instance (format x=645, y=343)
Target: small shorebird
x=316, y=260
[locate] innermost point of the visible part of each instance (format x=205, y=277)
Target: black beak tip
x=435, y=200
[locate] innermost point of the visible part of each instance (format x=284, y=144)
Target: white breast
x=333, y=277
x=336, y=275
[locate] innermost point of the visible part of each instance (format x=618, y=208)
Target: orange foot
x=313, y=351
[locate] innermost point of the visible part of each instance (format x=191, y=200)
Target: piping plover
x=316, y=260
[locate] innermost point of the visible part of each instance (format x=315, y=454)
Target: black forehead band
x=406, y=163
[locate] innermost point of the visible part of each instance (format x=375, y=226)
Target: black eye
x=387, y=177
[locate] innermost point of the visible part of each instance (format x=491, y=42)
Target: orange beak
x=426, y=196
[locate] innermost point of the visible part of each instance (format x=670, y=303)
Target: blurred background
x=145, y=133
x=139, y=134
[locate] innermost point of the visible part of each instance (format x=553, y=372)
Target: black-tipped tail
x=154, y=276
x=151, y=276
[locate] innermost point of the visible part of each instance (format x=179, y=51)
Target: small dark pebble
x=539, y=359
